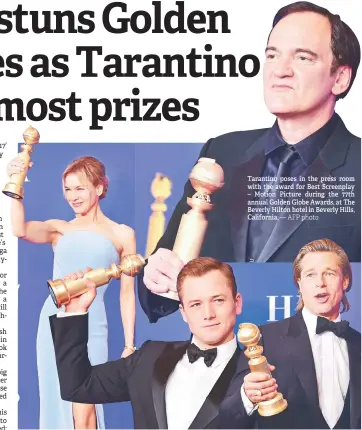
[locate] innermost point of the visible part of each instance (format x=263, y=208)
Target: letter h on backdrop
x=273, y=307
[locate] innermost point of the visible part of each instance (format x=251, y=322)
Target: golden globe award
x=15, y=188
x=161, y=190
x=206, y=177
x=63, y=290
x=249, y=336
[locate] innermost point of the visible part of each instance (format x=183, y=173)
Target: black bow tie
x=338, y=328
x=194, y=353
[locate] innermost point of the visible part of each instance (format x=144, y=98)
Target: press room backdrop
x=267, y=289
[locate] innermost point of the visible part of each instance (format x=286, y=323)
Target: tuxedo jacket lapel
x=299, y=350
x=354, y=355
x=164, y=366
x=298, y=347
x=210, y=408
x=332, y=156
x=252, y=165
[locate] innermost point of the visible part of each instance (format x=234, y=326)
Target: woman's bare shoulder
x=121, y=228
x=125, y=232
x=123, y=235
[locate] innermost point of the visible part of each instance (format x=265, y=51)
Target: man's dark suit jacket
x=140, y=378
x=241, y=154
x=287, y=346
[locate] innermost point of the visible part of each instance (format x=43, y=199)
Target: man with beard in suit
x=317, y=356
x=174, y=385
x=312, y=58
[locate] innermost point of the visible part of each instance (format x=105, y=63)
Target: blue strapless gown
x=75, y=250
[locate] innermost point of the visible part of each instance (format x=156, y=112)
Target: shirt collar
x=224, y=351
x=310, y=320
x=308, y=148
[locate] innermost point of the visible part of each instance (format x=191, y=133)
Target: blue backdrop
x=268, y=290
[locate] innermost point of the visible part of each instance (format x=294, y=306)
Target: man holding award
x=311, y=61
x=317, y=357
x=175, y=385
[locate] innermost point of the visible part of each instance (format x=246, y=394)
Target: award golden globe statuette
x=206, y=177
x=161, y=190
x=249, y=336
x=62, y=291
x=15, y=188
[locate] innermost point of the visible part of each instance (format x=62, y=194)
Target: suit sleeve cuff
x=69, y=314
x=248, y=405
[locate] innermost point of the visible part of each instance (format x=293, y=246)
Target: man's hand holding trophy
x=259, y=385
x=63, y=291
x=164, y=265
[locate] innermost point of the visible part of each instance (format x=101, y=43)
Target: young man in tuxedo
x=317, y=357
x=311, y=61
x=170, y=384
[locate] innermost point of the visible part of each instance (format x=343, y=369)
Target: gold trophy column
x=62, y=291
x=15, y=188
x=206, y=177
x=249, y=336
x=161, y=190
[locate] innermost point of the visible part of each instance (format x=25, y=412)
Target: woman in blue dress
x=89, y=240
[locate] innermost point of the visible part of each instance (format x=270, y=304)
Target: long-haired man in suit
x=317, y=357
x=311, y=61
x=174, y=385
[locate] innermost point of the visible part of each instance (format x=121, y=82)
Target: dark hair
x=203, y=265
x=324, y=245
x=344, y=43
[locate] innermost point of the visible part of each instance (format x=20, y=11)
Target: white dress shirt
x=331, y=362
x=62, y=314
x=189, y=385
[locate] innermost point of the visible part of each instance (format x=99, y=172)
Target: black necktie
x=283, y=169
x=260, y=231
x=338, y=328
x=194, y=353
